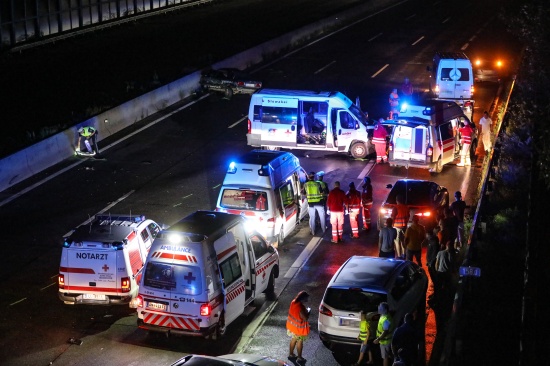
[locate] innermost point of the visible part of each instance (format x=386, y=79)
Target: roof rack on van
x=119, y=220
x=451, y=55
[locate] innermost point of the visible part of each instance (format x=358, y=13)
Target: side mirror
x=389, y=186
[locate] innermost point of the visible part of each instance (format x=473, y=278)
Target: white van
x=424, y=136
x=277, y=119
x=101, y=261
x=452, y=79
x=202, y=273
x=266, y=187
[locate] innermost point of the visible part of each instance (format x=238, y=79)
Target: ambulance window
x=257, y=113
x=280, y=115
x=231, y=270
x=446, y=131
x=259, y=245
x=459, y=74
x=184, y=279
x=287, y=194
x=144, y=235
x=244, y=199
x=154, y=229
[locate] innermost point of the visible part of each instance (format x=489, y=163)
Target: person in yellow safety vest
x=400, y=215
x=364, y=335
x=384, y=332
x=324, y=188
x=354, y=205
x=379, y=140
x=394, y=104
x=315, y=202
x=297, y=325
x=89, y=134
x=366, y=201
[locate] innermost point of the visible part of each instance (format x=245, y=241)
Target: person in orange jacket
x=336, y=204
x=297, y=325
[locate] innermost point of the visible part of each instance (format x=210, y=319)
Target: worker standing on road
x=400, y=216
x=366, y=201
x=394, y=104
x=379, y=140
x=407, y=88
x=485, y=123
x=466, y=140
x=297, y=325
x=314, y=196
x=336, y=204
x=354, y=205
x=384, y=332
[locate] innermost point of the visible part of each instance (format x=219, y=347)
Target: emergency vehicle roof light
x=427, y=111
x=67, y=243
x=232, y=168
x=117, y=245
x=404, y=107
x=264, y=170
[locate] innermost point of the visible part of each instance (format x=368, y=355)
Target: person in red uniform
x=366, y=201
x=379, y=140
x=466, y=140
x=336, y=204
x=400, y=215
x=354, y=205
x=297, y=325
x=260, y=202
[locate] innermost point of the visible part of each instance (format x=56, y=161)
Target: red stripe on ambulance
x=170, y=321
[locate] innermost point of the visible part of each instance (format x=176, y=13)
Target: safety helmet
x=321, y=173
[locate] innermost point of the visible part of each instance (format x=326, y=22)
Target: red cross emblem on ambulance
x=105, y=267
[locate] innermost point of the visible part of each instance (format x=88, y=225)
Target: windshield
x=183, y=279
x=359, y=114
x=353, y=299
x=244, y=199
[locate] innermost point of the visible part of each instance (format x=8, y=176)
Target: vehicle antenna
x=90, y=220
x=110, y=223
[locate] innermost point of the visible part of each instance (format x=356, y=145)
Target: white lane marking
x=50, y=285
x=376, y=36
x=103, y=210
x=236, y=123
x=303, y=257
x=418, y=40
x=473, y=37
x=446, y=20
x=410, y=17
x=366, y=170
x=323, y=68
x=464, y=47
x=379, y=71
x=18, y=301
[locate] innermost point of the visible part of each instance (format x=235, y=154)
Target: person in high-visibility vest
x=315, y=202
x=336, y=204
x=366, y=201
x=297, y=325
x=379, y=140
x=466, y=140
x=324, y=187
x=89, y=134
x=400, y=215
x=394, y=104
x=384, y=332
x=364, y=335
x=354, y=205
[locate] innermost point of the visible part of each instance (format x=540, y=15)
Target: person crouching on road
x=354, y=205
x=297, y=325
x=336, y=204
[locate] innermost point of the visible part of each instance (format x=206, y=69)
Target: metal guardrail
x=107, y=24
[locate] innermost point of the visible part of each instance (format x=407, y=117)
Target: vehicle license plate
x=156, y=306
x=349, y=322
x=94, y=297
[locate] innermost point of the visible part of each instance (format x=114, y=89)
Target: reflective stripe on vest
x=363, y=330
x=401, y=218
x=354, y=199
x=313, y=192
x=380, y=329
x=294, y=322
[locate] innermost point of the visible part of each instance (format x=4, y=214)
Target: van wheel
x=359, y=150
x=270, y=289
x=439, y=166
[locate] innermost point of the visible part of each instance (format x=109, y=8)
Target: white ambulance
x=452, y=79
x=308, y=120
x=425, y=136
x=202, y=273
x=265, y=186
x=101, y=261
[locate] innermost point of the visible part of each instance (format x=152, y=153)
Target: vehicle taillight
x=240, y=83
x=430, y=151
x=61, y=281
x=472, y=89
x=125, y=284
x=384, y=211
x=206, y=310
x=437, y=88
x=139, y=301
x=271, y=222
x=249, y=127
x=390, y=148
x=258, y=85
x=325, y=311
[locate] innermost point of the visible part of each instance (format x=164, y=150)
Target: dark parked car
x=229, y=360
x=228, y=81
x=426, y=199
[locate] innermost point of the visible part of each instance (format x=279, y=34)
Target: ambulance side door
x=301, y=178
x=447, y=142
x=346, y=126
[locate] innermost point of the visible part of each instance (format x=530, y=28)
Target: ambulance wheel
x=219, y=332
x=439, y=166
x=359, y=150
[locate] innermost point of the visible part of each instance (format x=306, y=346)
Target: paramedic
x=379, y=141
x=354, y=205
x=314, y=196
x=336, y=203
x=297, y=325
x=466, y=140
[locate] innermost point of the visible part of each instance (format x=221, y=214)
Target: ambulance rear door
x=410, y=142
x=279, y=121
x=455, y=79
x=446, y=140
x=233, y=276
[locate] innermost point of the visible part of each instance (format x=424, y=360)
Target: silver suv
x=363, y=283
